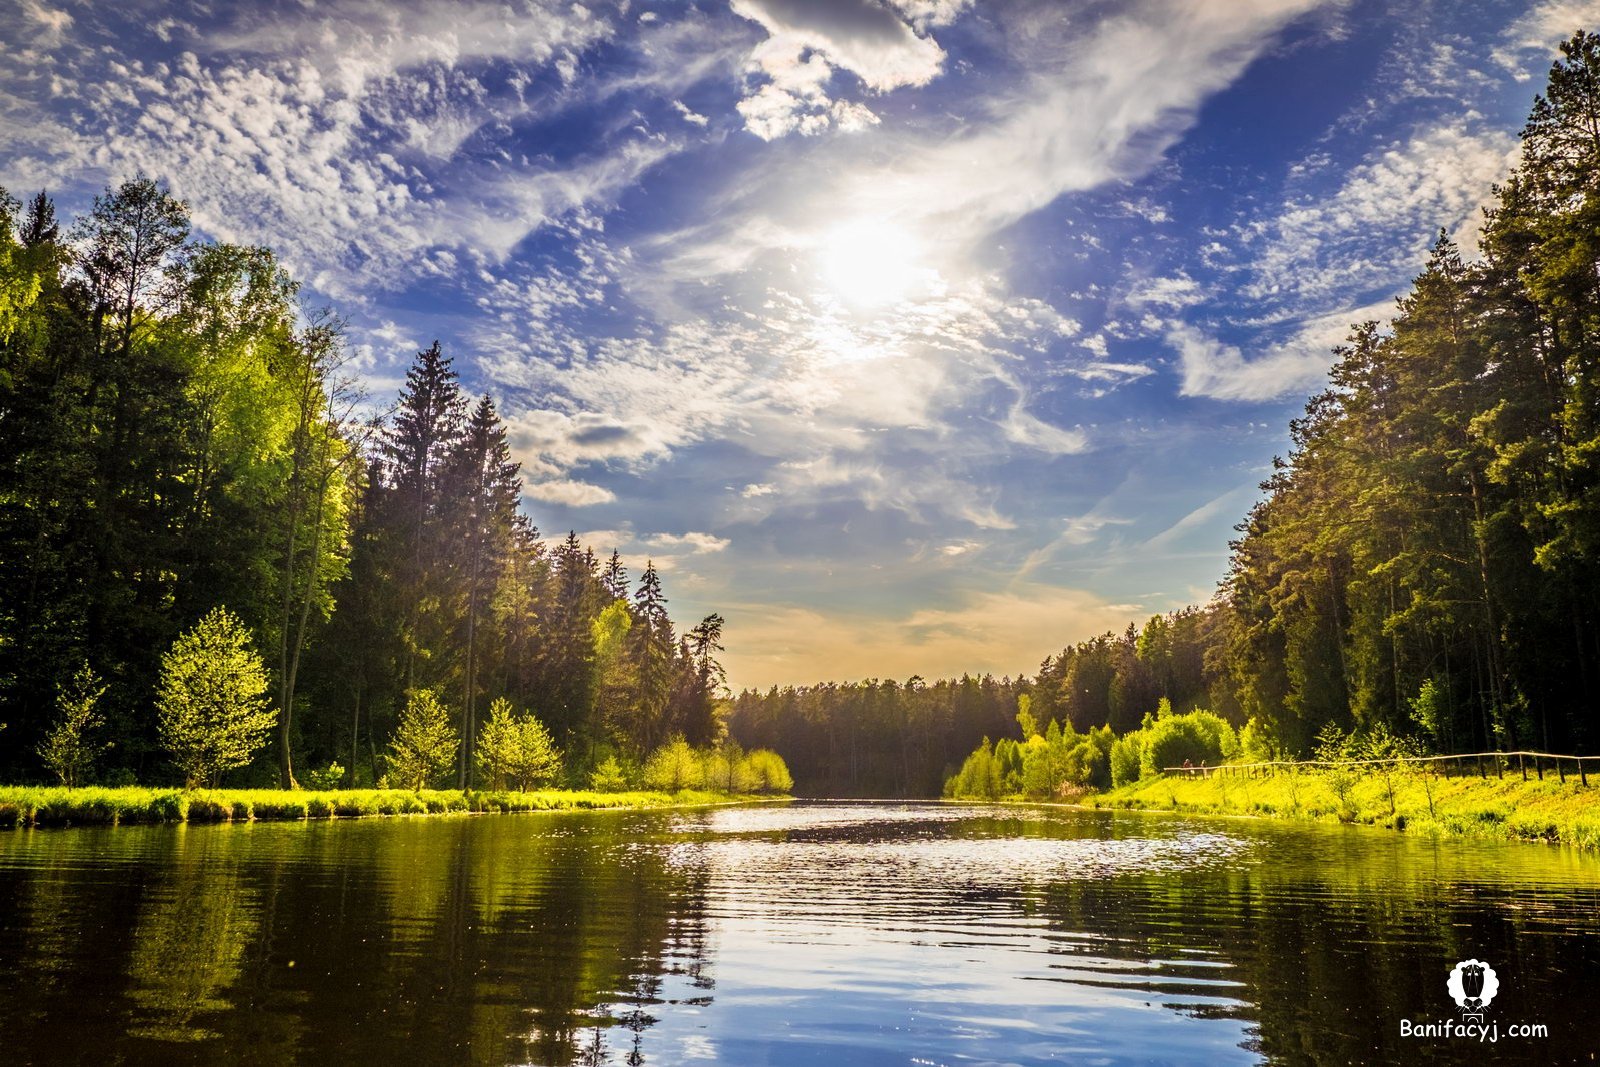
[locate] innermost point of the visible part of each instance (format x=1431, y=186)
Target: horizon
x=913, y=338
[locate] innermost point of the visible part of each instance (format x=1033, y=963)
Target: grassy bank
x=1506, y=808
x=57, y=806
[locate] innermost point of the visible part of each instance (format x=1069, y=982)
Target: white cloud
x=1375, y=229
x=693, y=541
x=1210, y=368
x=570, y=493
x=807, y=40
x=1531, y=39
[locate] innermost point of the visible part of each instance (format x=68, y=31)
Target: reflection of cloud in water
x=857, y=876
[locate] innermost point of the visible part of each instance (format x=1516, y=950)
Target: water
x=811, y=933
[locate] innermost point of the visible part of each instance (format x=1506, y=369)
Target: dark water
x=830, y=934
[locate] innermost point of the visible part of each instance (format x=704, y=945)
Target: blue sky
x=914, y=336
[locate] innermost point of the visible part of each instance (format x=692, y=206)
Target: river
x=836, y=934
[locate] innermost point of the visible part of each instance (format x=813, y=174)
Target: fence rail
x=1501, y=762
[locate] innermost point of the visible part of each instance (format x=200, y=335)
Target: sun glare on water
x=872, y=264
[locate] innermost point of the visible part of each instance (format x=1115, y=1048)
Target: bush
x=1198, y=737
x=329, y=778
x=1127, y=759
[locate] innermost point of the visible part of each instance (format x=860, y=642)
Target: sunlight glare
x=871, y=264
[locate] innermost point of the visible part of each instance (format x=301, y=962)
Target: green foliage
x=59, y=806
x=1127, y=759
x=673, y=766
x=68, y=750
x=330, y=777
x=212, y=703
x=424, y=744
x=981, y=776
x=768, y=773
x=1025, y=719
x=608, y=776
x=516, y=748
x=1198, y=737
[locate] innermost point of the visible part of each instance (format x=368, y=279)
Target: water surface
x=809, y=933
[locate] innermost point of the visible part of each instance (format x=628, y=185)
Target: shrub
x=768, y=772
x=1127, y=759
x=329, y=778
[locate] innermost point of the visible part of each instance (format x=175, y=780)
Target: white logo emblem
x=1472, y=985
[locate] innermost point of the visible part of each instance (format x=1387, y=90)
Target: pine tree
x=616, y=577
x=427, y=425
x=483, y=486
x=650, y=654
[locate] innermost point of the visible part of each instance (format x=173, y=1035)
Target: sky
x=912, y=336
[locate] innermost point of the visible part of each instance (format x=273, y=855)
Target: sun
x=871, y=264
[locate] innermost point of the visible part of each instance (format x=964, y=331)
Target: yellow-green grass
x=59, y=806
x=1506, y=808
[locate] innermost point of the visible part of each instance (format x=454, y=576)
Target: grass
x=97, y=806
x=1505, y=808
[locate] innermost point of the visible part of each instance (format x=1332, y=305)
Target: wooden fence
x=1464, y=765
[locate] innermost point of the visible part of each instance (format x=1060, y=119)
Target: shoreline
x=42, y=807
x=1506, y=809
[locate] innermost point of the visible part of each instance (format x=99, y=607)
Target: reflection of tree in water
x=1324, y=960
x=189, y=940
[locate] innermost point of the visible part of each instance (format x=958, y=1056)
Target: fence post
x=1583, y=776
x=1538, y=768
x=1481, y=773
x=1499, y=766
x=1523, y=767
x=1561, y=771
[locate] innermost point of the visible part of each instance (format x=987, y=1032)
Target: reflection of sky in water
x=864, y=934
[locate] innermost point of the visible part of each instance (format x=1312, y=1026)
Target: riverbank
x=95, y=806
x=1505, y=808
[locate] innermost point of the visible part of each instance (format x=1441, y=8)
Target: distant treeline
x=179, y=435
x=1425, y=561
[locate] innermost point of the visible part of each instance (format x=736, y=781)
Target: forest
x=194, y=470
x=1424, y=564
x=183, y=435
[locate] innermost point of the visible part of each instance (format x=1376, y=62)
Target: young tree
x=212, y=702
x=67, y=750
x=516, y=748
x=424, y=743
